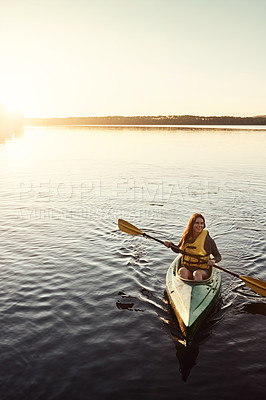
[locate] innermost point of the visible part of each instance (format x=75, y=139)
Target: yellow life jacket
x=196, y=248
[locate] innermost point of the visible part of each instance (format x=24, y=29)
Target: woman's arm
x=211, y=248
x=174, y=247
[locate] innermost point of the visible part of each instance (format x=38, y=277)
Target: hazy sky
x=133, y=57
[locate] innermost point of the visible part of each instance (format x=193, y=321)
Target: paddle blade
x=256, y=285
x=128, y=228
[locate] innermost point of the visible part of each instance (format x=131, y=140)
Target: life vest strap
x=189, y=260
x=200, y=258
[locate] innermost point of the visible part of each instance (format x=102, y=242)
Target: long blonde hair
x=188, y=232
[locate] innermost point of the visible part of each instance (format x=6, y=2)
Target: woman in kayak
x=196, y=245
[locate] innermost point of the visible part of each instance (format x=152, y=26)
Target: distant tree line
x=149, y=120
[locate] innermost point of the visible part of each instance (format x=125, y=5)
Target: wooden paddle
x=256, y=285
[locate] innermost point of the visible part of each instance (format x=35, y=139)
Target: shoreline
x=159, y=127
x=165, y=121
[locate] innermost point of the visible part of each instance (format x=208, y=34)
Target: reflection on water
x=11, y=124
x=6, y=134
x=124, y=305
x=255, y=308
x=187, y=357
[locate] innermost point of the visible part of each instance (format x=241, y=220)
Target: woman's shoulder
x=211, y=247
x=209, y=242
x=208, y=237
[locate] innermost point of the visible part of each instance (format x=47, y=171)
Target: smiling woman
x=196, y=246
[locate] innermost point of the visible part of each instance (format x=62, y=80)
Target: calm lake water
x=83, y=309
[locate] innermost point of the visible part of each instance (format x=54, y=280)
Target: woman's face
x=198, y=226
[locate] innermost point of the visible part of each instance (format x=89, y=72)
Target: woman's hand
x=210, y=263
x=167, y=243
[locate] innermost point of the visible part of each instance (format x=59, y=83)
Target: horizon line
x=151, y=116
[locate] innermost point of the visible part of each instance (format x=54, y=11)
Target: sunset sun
x=16, y=95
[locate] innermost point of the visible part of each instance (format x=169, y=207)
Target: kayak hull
x=190, y=300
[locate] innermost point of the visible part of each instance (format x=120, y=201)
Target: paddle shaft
x=254, y=284
x=175, y=248
x=257, y=285
x=172, y=246
x=226, y=270
x=153, y=238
